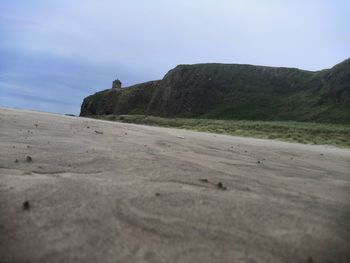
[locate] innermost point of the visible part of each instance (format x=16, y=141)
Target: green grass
x=301, y=132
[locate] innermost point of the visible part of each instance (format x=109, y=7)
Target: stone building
x=117, y=84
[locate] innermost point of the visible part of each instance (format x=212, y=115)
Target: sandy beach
x=82, y=190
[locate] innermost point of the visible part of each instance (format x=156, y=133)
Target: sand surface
x=111, y=192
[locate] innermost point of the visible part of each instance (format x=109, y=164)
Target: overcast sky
x=54, y=53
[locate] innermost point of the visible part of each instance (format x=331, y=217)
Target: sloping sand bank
x=100, y=191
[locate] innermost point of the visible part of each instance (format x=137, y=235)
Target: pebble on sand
x=26, y=205
x=221, y=186
x=204, y=180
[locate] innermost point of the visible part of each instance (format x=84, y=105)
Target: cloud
x=56, y=79
x=68, y=49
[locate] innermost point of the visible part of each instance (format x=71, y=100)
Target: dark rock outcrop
x=231, y=91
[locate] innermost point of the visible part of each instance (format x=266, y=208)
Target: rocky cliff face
x=231, y=91
x=197, y=89
x=337, y=82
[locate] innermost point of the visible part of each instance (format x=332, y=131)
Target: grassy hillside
x=132, y=100
x=302, y=106
x=235, y=92
x=301, y=132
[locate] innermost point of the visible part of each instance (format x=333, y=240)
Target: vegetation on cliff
x=132, y=100
x=236, y=92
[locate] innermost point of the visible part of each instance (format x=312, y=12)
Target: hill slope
x=233, y=91
x=134, y=99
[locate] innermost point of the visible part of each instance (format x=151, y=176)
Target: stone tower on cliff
x=117, y=84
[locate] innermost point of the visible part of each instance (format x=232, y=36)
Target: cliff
x=131, y=100
x=232, y=91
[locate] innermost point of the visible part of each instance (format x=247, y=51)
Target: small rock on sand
x=26, y=205
x=221, y=186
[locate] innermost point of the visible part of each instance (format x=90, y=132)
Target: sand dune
x=100, y=191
